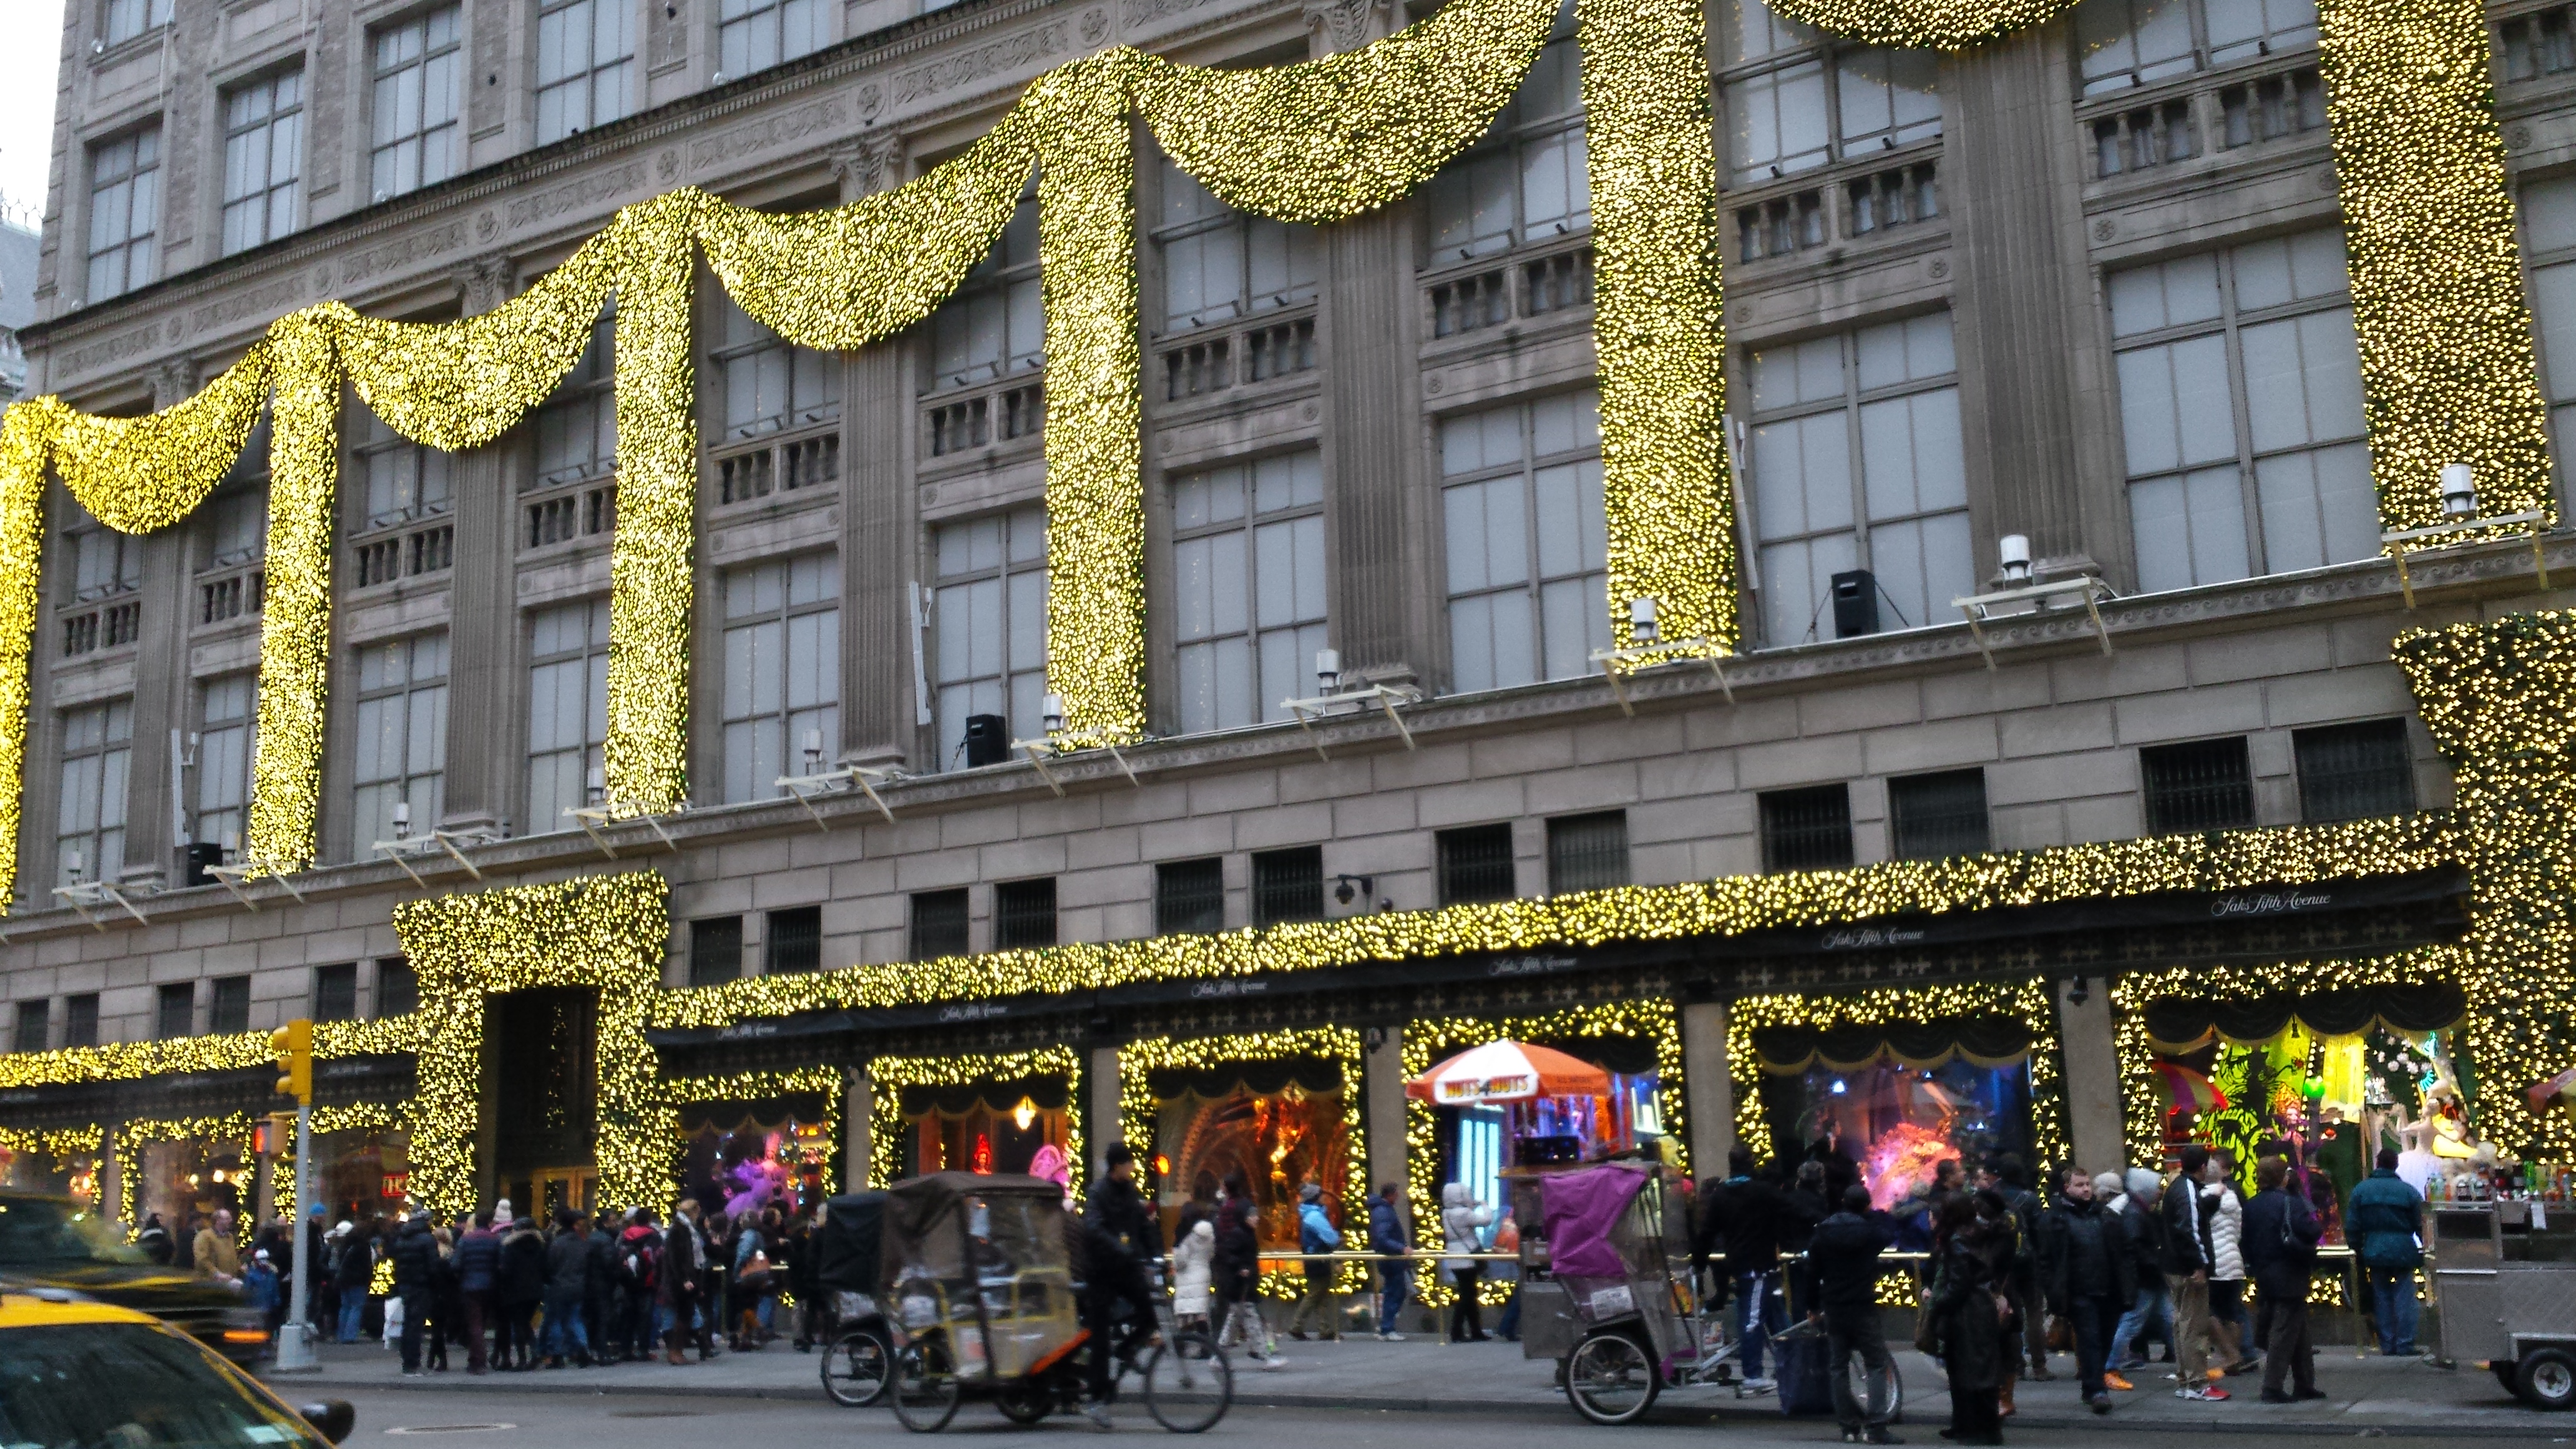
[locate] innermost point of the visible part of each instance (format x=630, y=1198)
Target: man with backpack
x=639, y=1253
x=2087, y=1274
x=1394, y=1271
x=1316, y=1237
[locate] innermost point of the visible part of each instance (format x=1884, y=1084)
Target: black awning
x=1988, y=1041
x=1048, y=1093
x=2186, y=1021
x=764, y=1113
x=1260, y=1078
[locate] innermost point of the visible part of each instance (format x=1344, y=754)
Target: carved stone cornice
x=876, y=161
x=174, y=380
x=1341, y=25
x=486, y=281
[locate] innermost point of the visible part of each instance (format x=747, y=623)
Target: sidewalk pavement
x=2365, y=1394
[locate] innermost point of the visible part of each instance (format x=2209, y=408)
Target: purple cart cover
x=1581, y=1208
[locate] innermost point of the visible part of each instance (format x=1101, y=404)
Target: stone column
x=1382, y=1109
x=2091, y=1050
x=263, y=1181
x=880, y=711
x=1368, y=329
x=484, y=706
x=155, y=791
x=1101, y=1124
x=1708, y=1087
x=111, y=1180
x=858, y=1106
x=2036, y=409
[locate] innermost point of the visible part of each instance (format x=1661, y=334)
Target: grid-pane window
x=2203, y=785
x=174, y=1010
x=567, y=710
x=126, y=19
x=29, y=1031
x=1587, y=852
x=2124, y=43
x=2548, y=212
x=782, y=672
x=402, y=740
x=1528, y=556
x=397, y=987
x=585, y=65
x=417, y=69
x=1807, y=829
x=1189, y=897
x=263, y=159
x=994, y=325
x=1476, y=864
x=2240, y=408
x=1795, y=101
x=577, y=427
x=1288, y=885
x=1932, y=816
x=1024, y=914
x=124, y=212
x=1526, y=182
x=1220, y=264
x=715, y=950
x=104, y=562
x=80, y=1019
x=757, y=34
x=1248, y=588
x=792, y=941
x=770, y=386
x=2355, y=771
x=227, y=717
x=938, y=924
x=229, y=1012
x=335, y=992
x=89, y=823
x=1857, y=464
x=989, y=619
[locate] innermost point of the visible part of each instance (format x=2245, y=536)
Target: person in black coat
x=1801, y=1208
x=1971, y=1270
x=600, y=1298
x=415, y=1260
x=521, y=1289
x=567, y=1291
x=1740, y=1218
x=2186, y=1266
x=1121, y=1235
x=1842, y=1258
x=2280, y=1248
x=2087, y=1277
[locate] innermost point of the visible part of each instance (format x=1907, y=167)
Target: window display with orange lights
x=194, y=1176
x=362, y=1173
x=1018, y=1126
x=1275, y=1124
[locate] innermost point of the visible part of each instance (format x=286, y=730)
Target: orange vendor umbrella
x=2191, y=1091
x=1507, y=1071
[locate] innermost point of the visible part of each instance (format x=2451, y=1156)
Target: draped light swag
x=1984, y=1041
x=2444, y=337
x=2177, y=1024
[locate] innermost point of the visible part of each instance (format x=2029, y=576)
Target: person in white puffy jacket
x=2222, y=1215
x=1193, y=1262
x=1460, y=1217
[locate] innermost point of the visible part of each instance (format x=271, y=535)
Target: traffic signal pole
x=293, y=1044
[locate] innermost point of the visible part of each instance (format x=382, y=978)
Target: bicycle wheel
x=854, y=1368
x=925, y=1386
x=1188, y=1383
x=1610, y=1380
x=1024, y=1401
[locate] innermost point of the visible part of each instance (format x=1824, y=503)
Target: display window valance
x=768, y=1114
x=1260, y=1078
x=1985, y=1041
x=2180, y=1023
x=1046, y=1093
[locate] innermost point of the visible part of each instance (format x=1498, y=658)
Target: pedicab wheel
x=925, y=1388
x=1188, y=1383
x=854, y=1368
x=1023, y=1401
x=1610, y=1380
x=2546, y=1379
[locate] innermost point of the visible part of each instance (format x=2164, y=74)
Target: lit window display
x=742, y=1157
x=1886, y=1105
x=192, y=1176
x=34, y=1169
x=1277, y=1124
x=2331, y=1076
x=1510, y=1120
x=361, y=1174
x=1013, y=1126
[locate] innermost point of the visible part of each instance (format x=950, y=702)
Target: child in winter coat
x=1462, y=1220
x=1194, y=1274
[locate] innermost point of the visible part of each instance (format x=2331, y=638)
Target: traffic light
x=293, y=1044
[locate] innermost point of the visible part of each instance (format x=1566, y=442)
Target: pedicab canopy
x=850, y=1246
x=1012, y=1222
x=1507, y=1071
x=1580, y=1210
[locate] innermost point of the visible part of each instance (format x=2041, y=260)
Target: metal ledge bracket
x=1617, y=664
x=864, y=777
x=2088, y=590
x=1385, y=697
x=2448, y=535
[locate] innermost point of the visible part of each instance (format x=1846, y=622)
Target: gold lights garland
x=1139, y=1113
x=606, y=931
x=888, y=1076
x=1922, y=24
x=1426, y=1042
x=2026, y=1000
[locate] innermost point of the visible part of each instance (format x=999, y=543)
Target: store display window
x=744, y=1157
x=1010, y=1126
x=1276, y=1125
x=1522, y=1126
x=192, y=1176
x=362, y=1174
x=74, y=1175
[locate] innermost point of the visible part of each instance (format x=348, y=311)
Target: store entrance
x=541, y=1091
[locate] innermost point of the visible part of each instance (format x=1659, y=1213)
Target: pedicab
x=979, y=1274
x=1618, y=1306
x=858, y=1346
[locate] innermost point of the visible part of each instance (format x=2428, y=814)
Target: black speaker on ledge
x=988, y=740
x=199, y=855
x=1855, y=603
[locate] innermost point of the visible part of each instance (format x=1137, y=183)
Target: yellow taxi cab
x=83, y=1375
